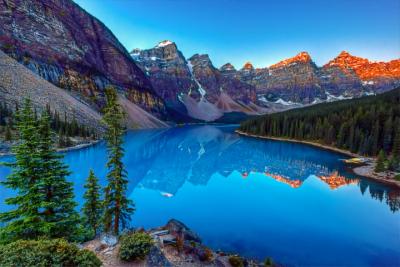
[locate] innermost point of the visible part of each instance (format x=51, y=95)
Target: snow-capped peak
x=164, y=43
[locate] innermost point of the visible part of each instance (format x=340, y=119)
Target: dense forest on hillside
x=364, y=125
x=60, y=124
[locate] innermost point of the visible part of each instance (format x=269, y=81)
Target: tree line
x=64, y=127
x=44, y=205
x=365, y=125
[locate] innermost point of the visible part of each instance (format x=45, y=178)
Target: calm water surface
x=295, y=203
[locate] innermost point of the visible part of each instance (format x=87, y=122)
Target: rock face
x=17, y=83
x=299, y=80
x=168, y=71
x=178, y=228
x=295, y=79
x=194, y=86
x=65, y=45
x=374, y=76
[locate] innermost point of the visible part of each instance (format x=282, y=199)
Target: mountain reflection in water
x=296, y=203
x=169, y=158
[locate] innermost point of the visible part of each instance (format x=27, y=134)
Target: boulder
x=157, y=258
x=108, y=239
x=178, y=228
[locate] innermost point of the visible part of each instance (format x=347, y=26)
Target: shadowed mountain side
x=70, y=48
x=17, y=83
x=138, y=117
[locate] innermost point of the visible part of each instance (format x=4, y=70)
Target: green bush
x=56, y=252
x=236, y=261
x=397, y=177
x=135, y=246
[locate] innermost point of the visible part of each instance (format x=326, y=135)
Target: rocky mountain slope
x=17, y=83
x=65, y=45
x=300, y=80
x=208, y=93
x=194, y=86
x=374, y=76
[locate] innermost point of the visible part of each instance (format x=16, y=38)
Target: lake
x=298, y=204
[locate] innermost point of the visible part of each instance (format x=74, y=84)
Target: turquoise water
x=295, y=203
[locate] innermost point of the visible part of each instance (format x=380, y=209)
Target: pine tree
x=43, y=206
x=380, y=163
x=375, y=138
x=92, y=209
x=56, y=192
x=387, y=134
x=24, y=219
x=396, y=141
x=118, y=207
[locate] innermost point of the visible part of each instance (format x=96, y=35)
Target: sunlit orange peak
x=248, y=66
x=300, y=57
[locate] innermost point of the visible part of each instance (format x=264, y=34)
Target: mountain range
x=294, y=82
x=58, y=43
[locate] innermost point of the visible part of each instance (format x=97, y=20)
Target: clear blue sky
x=259, y=31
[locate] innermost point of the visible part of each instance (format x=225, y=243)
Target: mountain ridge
x=72, y=49
x=292, y=82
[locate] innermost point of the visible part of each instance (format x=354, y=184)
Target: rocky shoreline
x=5, y=148
x=365, y=170
x=175, y=245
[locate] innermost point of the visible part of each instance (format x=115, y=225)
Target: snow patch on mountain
x=283, y=102
x=201, y=90
x=164, y=43
x=331, y=97
x=368, y=82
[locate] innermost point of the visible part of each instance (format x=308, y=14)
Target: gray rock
x=177, y=228
x=108, y=239
x=156, y=258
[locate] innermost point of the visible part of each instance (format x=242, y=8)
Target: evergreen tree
x=43, y=206
x=118, y=207
x=380, y=163
x=24, y=219
x=363, y=125
x=394, y=163
x=92, y=209
x=387, y=134
x=396, y=141
x=57, y=197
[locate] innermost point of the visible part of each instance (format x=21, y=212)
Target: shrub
x=397, y=177
x=56, y=252
x=236, y=261
x=208, y=255
x=268, y=262
x=135, y=246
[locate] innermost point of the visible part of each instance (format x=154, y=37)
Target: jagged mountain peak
x=200, y=56
x=201, y=60
x=248, y=66
x=165, y=43
x=364, y=68
x=346, y=60
x=135, y=52
x=302, y=57
x=344, y=53
x=227, y=67
x=163, y=51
